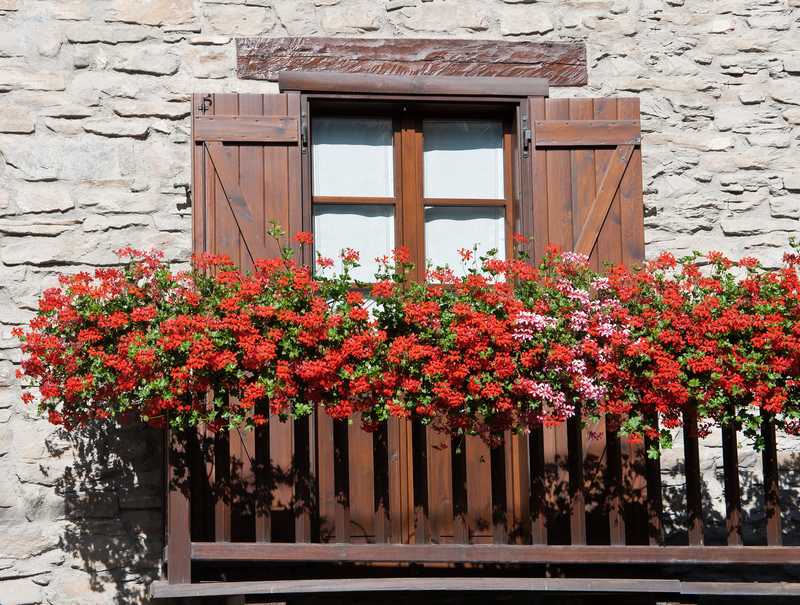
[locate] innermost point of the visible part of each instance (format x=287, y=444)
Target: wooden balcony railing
x=325, y=492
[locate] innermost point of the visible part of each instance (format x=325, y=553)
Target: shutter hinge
x=303, y=132
x=205, y=104
x=527, y=137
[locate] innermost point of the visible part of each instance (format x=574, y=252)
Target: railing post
x=772, y=503
x=179, y=565
x=694, y=496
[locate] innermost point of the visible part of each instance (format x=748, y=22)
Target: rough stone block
x=81, y=34
x=352, y=19
x=791, y=182
x=448, y=17
x=151, y=109
x=240, y=21
x=137, y=129
x=25, y=79
x=786, y=91
x=524, y=21
x=152, y=12
x=17, y=120
x=153, y=61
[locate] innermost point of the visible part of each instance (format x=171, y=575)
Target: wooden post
x=772, y=504
x=179, y=565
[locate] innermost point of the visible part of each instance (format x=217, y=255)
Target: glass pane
x=463, y=159
x=353, y=157
x=450, y=228
x=367, y=228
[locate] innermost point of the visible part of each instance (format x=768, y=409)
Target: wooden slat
x=654, y=497
x=562, y=64
x=538, y=511
x=496, y=553
x=518, y=487
x=178, y=509
x=586, y=132
x=459, y=489
x=246, y=223
x=361, y=475
x=608, y=246
x=602, y=201
x=333, y=82
x=577, y=519
x=341, y=475
x=304, y=460
x=246, y=129
x=733, y=498
x=479, y=488
x=419, y=468
x=540, y=211
x=400, y=480
x=694, y=498
x=440, y=485
x=380, y=456
x=616, y=516
x=772, y=501
x=630, y=194
x=500, y=513
x=583, y=175
x=222, y=480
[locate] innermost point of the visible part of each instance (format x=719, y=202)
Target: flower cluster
x=497, y=345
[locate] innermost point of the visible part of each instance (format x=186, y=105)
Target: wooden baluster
x=440, y=485
x=733, y=500
x=222, y=481
x=577, y=521
x=537, y=502
x=341, y=480
x=419, y=453
x=304, y=478
x=179, y=545
x=380, y=455
x=772, y=503
x=655, y=505
x=499, y=477
x=264, y=478
x=694, y=502
x=616, y=516
x=361, y=481
x=459, y=475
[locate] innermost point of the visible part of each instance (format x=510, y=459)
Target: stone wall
x=94, y=155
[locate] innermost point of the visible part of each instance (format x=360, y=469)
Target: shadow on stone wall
x=752, y=496
x=112, y=496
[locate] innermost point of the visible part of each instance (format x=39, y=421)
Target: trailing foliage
x=500, y=345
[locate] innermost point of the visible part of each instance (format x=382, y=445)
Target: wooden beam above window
x=560, y=63
x=335, y=82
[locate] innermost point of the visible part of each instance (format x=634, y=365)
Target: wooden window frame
x=407, y=113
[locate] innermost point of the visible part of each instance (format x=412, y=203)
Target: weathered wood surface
x=343, y=83
x=562, y=64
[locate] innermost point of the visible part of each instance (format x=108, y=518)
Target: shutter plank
x=586, y=132
x=630, y=194
x=249, y=129
x=609, y=239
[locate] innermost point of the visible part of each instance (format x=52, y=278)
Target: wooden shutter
x=246, y=172
x=582, y=190
x=587, y=177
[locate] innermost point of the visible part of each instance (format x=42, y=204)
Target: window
x=431, y=177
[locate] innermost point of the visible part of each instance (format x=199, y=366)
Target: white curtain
x=352, y=157
x=449, y=228
x=463, y=159
x=367, y=228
